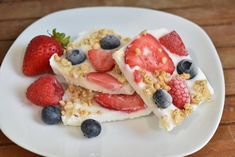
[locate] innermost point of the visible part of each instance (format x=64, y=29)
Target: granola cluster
x=79, y=71
x=78, y=94
x=200, y=92
x=159, y=81
x=94, y=38
x=176, y=115
x=184, y=76
x=179, y=115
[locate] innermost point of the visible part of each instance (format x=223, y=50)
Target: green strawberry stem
x=60, y=37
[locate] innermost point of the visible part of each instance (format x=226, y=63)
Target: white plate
x=141, y=137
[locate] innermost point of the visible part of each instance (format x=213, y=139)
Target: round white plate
x=21, y=121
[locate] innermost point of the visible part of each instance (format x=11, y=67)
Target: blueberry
x=51, y=114
x=91, y=128
x=76, y=56
x=162, y=98
x=109, y=42
x=188, y=67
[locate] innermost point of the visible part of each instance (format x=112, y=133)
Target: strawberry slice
x=101, y=60
x=174, y=43
x=120, y=102
x=104, y=80
x=138, y=77
x=147, y=53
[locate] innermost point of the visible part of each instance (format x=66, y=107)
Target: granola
x=94, y=38
x=179, y=115
x=79, y=94
x=159, y=81
x=200, y=91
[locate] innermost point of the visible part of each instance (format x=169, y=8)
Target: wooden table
x=216, y=17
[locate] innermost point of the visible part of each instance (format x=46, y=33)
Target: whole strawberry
x=39, y=51
x=179, y=92
x=45, y=91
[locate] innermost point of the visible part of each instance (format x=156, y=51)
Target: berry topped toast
x=88, y=62
x=157, y=65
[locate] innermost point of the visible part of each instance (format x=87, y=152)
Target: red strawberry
x=179, y=92
x=104, y=80
x=39, y=51
x=174, y=43
x=101, y=60
x=45, y=91
x=120, y=102
x=147, y=53
x=138, y=76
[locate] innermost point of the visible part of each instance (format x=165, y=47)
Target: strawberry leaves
x=60, y=37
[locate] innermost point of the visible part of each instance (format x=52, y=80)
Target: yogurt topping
x=165, y=115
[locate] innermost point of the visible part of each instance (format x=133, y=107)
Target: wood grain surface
x=216, y=17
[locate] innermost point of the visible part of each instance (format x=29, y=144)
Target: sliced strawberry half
x=174, y=43
x=147, y=53
x=101, y=60
x=120, y=102
x=104, y=80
